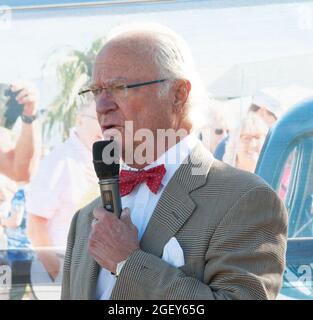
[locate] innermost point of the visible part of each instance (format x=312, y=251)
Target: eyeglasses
x=220, y=131
x=115, y=90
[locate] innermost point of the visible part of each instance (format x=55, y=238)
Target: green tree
x=73, y=72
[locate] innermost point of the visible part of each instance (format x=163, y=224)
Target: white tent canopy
x=246, y=79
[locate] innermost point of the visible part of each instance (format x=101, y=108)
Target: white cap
x=262, y=99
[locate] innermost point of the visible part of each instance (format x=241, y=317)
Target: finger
x=93, y=223
x=22, y=93
x=27, y=99
x=99, y=213
x=16, y=87
x=19, y=85
x=34, y=94
x=125, y=216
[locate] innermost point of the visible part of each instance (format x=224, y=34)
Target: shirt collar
x=172, y=158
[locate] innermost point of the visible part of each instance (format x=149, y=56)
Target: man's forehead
x=122, y=66
x=118, y=75
x=117, y=58
x=123, y=49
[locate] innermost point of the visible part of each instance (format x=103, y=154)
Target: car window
x=296, y=189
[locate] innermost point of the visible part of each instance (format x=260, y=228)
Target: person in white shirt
x=64, y=181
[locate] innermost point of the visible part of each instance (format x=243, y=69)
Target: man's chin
x=112, y=134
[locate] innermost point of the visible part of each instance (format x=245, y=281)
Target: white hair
x=174, y=60
x=250, y=124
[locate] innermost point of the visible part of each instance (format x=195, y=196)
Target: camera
x=10, y=109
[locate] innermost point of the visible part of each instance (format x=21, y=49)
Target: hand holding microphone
x=113, y=237
x=112, y=240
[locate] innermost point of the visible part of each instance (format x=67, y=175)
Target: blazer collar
x=175, y=205
x=93, y=267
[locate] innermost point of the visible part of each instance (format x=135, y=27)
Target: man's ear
x=181, y=93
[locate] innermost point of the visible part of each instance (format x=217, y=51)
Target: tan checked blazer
x=230, y=224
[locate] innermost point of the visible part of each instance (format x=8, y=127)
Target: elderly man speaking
x=198, y=229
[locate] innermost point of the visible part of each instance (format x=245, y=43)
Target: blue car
x=286, y=163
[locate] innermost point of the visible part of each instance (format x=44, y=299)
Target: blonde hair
x=249, y=124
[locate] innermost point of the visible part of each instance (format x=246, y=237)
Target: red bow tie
x=130, y=179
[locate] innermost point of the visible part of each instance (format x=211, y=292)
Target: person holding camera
x=18, y=162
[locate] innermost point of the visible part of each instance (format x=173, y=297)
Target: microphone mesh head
x=106, y=159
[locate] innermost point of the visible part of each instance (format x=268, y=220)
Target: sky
x=219, y=37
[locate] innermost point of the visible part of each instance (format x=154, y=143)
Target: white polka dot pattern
x=152, y=177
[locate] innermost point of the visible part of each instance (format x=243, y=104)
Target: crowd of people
x=240, y=143
x=39, y=193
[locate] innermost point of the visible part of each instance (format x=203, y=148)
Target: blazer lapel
x=93, y=268
x=173, y=209
x=175, y=205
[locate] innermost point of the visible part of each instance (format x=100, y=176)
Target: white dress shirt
x=65, y=181
x=142, y=202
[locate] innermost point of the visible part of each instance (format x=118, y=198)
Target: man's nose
x=105, y=104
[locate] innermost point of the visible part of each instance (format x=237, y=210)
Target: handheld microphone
x=108, y=173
